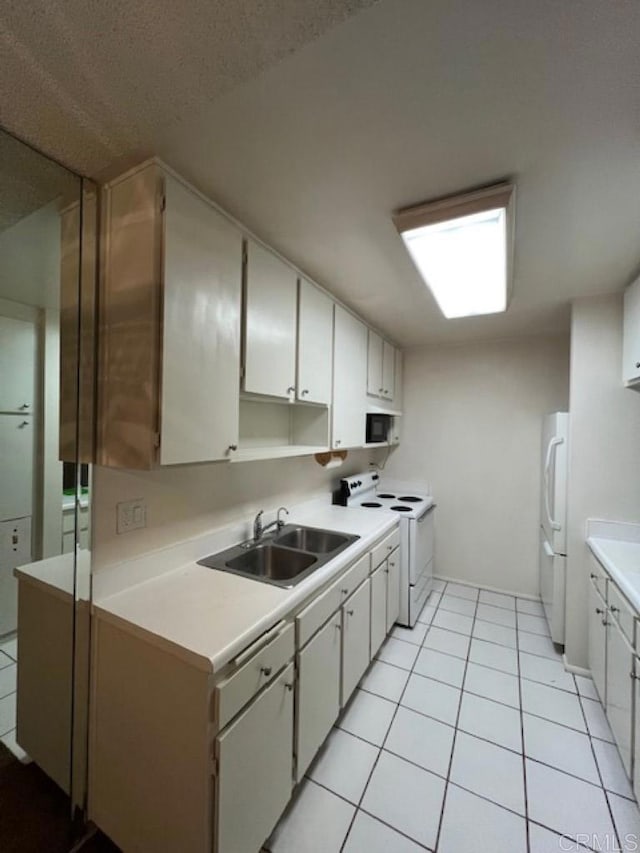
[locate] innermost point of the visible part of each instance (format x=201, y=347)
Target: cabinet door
x=318, y=693
x=255, y=764
x=619, y=692
x=315, y=352
x=631, y=334
x=597, y=635
x=201, y=330
x=355, y=639
x=270, y=324
x=349, y=380
x=398, y=398
x=388, y=370
x=378, y=608
x=17, y=441
x=374, y=365
x=636, y=763
x=393, y=589
x=17, y=365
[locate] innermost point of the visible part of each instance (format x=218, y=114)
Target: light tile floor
x=8, y=676
x=465, y=735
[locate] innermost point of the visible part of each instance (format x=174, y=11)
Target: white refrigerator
x=553, y=521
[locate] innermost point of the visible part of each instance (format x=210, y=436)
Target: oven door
x=421, y=543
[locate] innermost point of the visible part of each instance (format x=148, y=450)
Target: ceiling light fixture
x=462, y=247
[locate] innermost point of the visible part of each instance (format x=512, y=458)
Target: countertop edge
x=618, y=574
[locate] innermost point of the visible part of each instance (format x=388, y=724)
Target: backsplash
x=188, y=500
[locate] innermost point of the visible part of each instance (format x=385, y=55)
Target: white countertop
x=58, y=576
x=617, y=547
x=208, y=616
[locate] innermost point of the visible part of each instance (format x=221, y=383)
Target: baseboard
x=497, y=589
x=576, y=670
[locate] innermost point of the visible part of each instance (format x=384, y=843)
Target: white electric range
x=416, y=514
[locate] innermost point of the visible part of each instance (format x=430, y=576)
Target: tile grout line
x=384, y=740
x=524, y=747
x=595, y=759
x=455, y=733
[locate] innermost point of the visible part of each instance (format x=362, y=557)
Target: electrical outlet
x=131, y=515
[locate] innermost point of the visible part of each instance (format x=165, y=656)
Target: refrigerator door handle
x=556, y=441
x=548, y=550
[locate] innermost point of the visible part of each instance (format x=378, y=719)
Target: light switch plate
x=131, y=515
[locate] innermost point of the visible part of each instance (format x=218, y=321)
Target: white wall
x=472, y=430
x=30, y=259
x=186, y=500
x=604, y=469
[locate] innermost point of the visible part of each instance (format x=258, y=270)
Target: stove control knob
x=359, y=483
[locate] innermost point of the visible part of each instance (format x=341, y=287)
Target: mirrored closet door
x=47, y=344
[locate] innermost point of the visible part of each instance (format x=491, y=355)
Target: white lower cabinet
x=619, y=691
x=615, y=666
x=378, y=608
x=318, y=691
x=393, y=589
x=241, y=737
x=356, y=622
x=598, y=631
x=254, y=769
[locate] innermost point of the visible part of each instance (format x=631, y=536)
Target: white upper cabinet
x=374, y=365
x=388, y=371
x=380, y=367
x=315, y=357
x=170, y=305
x=349, y=380
x=270, y=324
x=631, y=335
x=201, y=330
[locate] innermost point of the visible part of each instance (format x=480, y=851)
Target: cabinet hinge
x=156, y=439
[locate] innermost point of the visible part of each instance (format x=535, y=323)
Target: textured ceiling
x=89, y=81
x=405, y=101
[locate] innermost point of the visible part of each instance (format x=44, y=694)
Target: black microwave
x=378, y=427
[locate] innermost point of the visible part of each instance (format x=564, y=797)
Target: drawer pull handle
x=593, y=576
x=599, y=610
x=386, y=571
x=634, y=676
x=338, y=627
x=350, y=612
x=266, y=671
x=615, y=609
x=344, y=591
x=604, y=622
x=288, y=686
x=389, y=547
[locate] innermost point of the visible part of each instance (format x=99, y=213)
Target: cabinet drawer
x=316, y=614
x=621, y=613
x=382, y=550
x=232, y=694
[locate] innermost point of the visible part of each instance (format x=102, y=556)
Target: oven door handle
x=426, y=513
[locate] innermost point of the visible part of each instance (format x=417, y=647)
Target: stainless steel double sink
x=284, y=558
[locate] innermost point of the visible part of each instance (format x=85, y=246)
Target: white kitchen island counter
x=207, y=616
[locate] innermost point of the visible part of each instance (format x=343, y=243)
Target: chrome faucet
x=259, y=530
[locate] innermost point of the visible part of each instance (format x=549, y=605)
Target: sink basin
x=310, y=539
x=270, y=561
x=283, y=559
